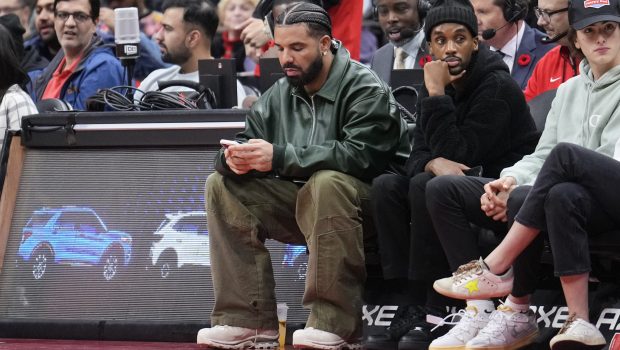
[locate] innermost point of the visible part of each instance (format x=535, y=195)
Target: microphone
x=127, y=38
x=490, y=33
x=408, y=33
x=548, y=40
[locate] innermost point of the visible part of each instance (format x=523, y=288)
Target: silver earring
x=323, y=53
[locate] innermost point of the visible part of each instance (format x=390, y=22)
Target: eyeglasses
x=545, y=15
x=79, y=17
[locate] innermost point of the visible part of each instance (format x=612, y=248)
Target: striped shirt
x=15, y=105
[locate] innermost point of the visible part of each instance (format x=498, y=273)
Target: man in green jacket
x=301, y=174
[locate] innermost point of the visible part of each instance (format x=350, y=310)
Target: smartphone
x=475, y=171
x=225, y=143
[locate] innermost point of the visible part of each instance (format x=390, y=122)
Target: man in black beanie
x=472, y=118
x=313, y=143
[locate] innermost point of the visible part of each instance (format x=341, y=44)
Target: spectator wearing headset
x=501, y=26
x=402, y=21
x=560, y=63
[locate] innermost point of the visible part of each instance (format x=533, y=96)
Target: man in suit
x=402, y=22
x=501, y=26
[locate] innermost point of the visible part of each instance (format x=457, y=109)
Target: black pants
x=408, y=245
x=574, y=194
x=454, y=204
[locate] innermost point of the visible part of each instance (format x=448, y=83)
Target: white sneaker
x=577, y=334
x=507, y=330
x=470, y=323
x=228, y=337
x=311, y=338
x=474, y=281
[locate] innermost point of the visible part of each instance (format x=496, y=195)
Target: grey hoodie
x=584, y=112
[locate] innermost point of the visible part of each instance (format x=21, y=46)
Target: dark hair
x=513, y=8
x=283, y=2
x=12, y=24
x=571, y=36
x=95, y=5
x=313, y=16
x=10, y=69
x=201, y=13
x=29, y=3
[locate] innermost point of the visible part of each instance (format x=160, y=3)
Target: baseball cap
x=582, y=13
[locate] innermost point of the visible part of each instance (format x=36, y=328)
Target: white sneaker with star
x=474, y=281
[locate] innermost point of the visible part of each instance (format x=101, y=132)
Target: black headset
x=514, y=10
x=423, y=7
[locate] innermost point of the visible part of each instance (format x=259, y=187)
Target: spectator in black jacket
x=470, y=113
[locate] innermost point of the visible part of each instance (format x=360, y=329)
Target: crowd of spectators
x=476, y=155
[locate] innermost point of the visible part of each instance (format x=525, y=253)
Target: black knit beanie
x=451, y=11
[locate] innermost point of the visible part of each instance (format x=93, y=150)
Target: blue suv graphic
x=72, y=235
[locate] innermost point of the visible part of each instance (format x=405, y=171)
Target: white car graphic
x=184, y=241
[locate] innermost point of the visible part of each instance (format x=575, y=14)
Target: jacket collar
x=336, y=73
x=43, y=79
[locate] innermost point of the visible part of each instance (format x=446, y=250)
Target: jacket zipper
x=313, y=115
x=313, y=121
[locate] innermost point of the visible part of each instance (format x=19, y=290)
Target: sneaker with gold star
x=474, y=281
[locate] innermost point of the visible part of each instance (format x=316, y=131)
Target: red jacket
x=554, y=68
x=347, y=25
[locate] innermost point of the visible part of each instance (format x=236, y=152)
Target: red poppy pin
x=524, y=59
x=424, y=60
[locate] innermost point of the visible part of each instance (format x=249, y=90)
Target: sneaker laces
x=466, y=271
x=569, y=321
x=465, y=316
x=498, y=323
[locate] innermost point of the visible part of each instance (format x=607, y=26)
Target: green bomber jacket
x=351, y=125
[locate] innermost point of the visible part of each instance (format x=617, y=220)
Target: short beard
x=178, y=58
x=308, y=76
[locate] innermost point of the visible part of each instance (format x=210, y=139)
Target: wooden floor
x=46, y=344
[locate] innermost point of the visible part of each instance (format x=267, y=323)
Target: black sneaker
x=406, y=318
x=419, y=337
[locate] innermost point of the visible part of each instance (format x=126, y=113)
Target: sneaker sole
x=521, y=343
x=575, y=345
x=447, y=347
x=451, y=294
x=247, y=344
x=328, y=347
